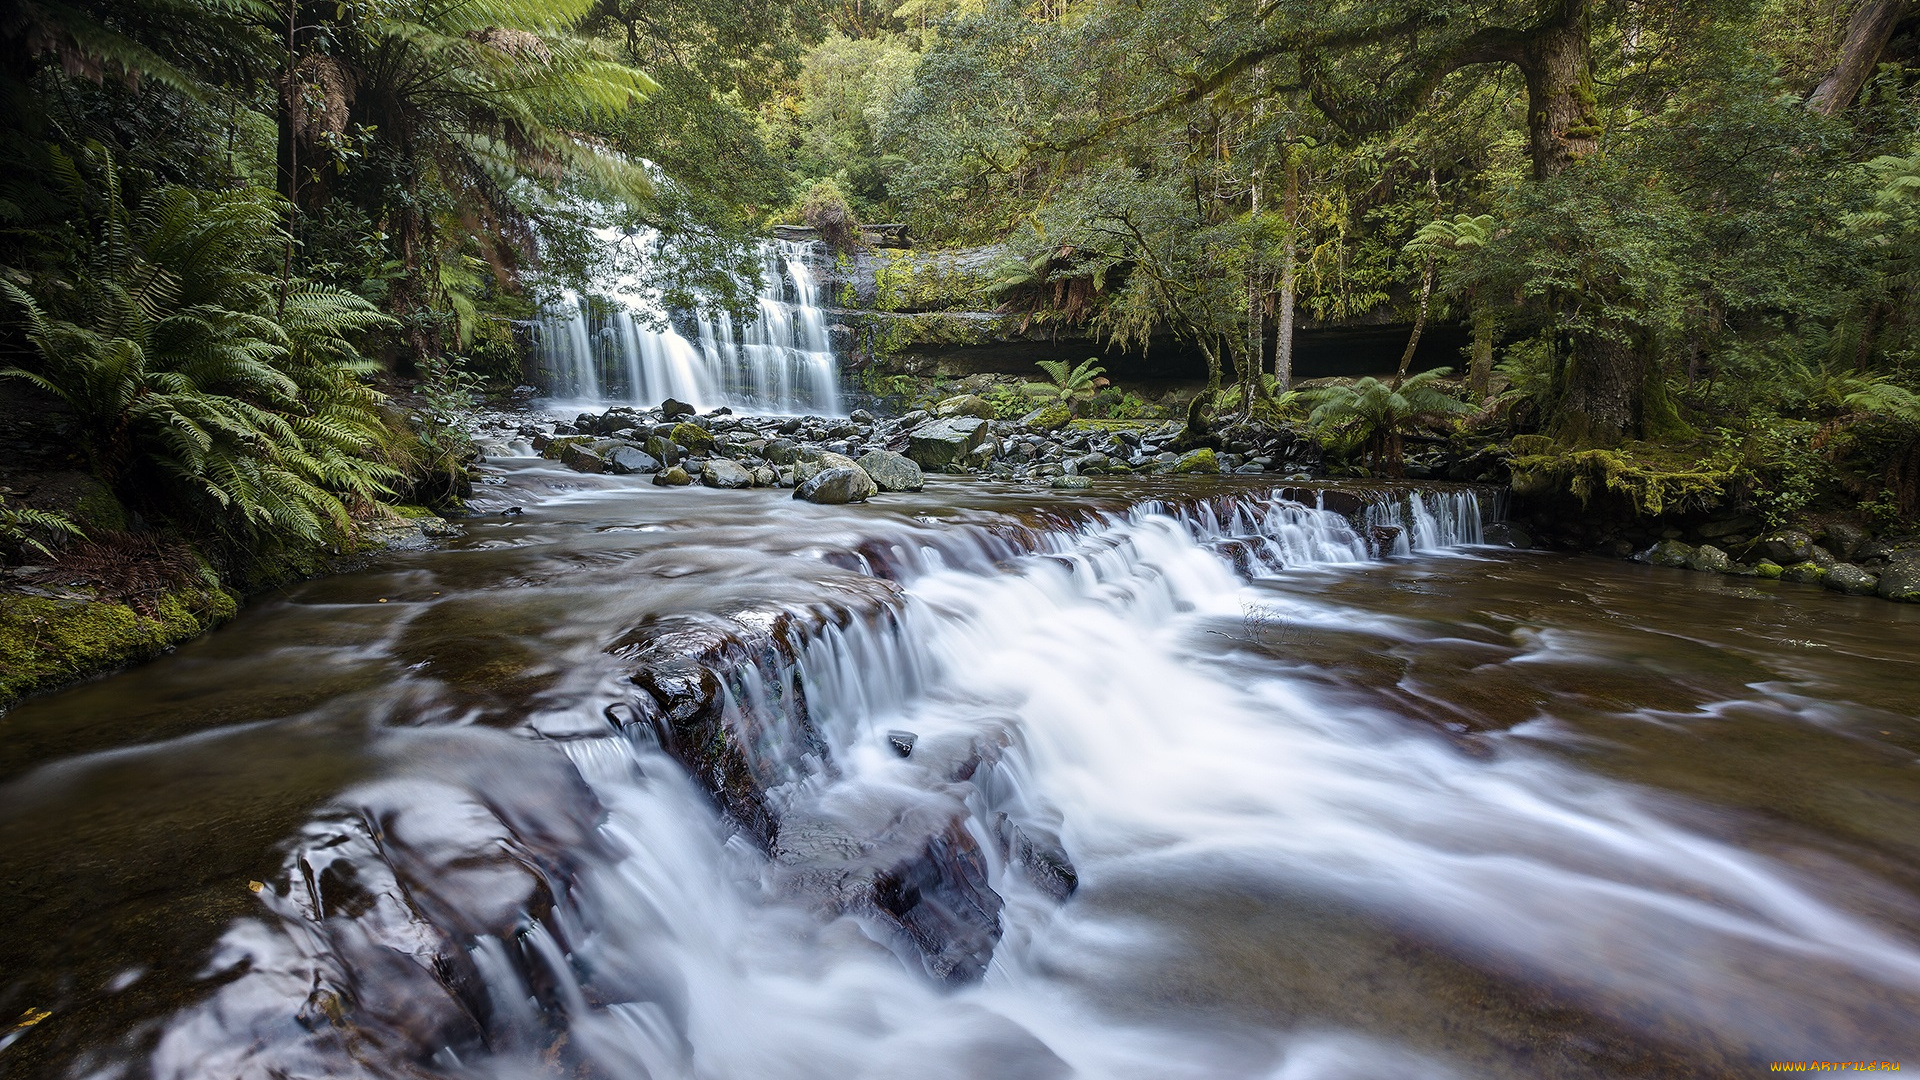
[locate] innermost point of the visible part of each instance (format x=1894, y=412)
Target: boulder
x=1768, y=569
x=581, y=458
x=1047, y=418
x=1197, y=461
x=696, y=439
x=836, y=486
x=664, y=449
x=1709, y=559
x=813, y=461
x=1850, y=579
x=892, y=472
x=1666, y=553
x=673, y=477
x=626, y=459
x=1504, y=534
x=765, y=477
x=1844, y=538
x=1071, y=482
x=781, y=451
x=1901, y=579
x=939, y=443
x=1807, y=573
x=671, y=409
x=964, y=405
x=1786, y=547
x=726, y=473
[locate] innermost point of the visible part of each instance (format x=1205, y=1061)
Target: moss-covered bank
x=49, y=641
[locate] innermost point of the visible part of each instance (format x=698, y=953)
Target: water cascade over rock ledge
x=615, y=342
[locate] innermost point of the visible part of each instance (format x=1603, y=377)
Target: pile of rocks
x=1861, y=566
x=834, y=460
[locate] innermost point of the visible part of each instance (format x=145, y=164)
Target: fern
x=1375, y=417
x=23, y=528
x=202, y=395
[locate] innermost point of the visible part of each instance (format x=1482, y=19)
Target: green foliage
x=204, y=386
x=1375, y=417
x=24, y=529
x=1070, y=385
x=826, y=209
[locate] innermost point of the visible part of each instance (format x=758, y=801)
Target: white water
x=621, y=348
x=1162, y=761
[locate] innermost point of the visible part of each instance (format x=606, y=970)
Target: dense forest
x=261, y=253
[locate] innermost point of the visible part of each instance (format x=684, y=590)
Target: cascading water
x=617, y=343
x=1122, y=707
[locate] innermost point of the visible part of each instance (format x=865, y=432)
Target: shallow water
x=1465, y=812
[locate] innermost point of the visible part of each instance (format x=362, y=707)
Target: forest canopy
x=1688, y=226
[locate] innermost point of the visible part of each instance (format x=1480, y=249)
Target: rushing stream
x=1192, y=787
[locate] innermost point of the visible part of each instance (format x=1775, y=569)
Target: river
x=1016, y=785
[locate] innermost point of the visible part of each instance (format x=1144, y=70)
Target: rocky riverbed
x=837, y=460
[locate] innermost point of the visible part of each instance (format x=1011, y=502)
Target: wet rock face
x=892, y=472
x=939, y=443
x=1901, y=578
x=727, y=697
x=723, y=473
x=837, y=486
x=904, y=859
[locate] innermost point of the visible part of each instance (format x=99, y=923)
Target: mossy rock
x=1047, y=418
x=46, y=642
x=1767, y=568
x=1198, y=461
x=1806, y=573
x=694, y=437
x=556, y=450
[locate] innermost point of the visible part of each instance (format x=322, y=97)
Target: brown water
x=1467, y=812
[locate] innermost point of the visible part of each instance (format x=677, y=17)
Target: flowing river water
x=1194, y=788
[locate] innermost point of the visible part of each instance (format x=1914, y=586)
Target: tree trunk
x=1283, y=335
x=1256, y=319
x=1605, y=387
x=1868, y=32
x=1563, y=124
x=1213, y=364
x=1480, y=366
x=1419, y=321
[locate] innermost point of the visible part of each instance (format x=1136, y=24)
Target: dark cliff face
x=938, y=314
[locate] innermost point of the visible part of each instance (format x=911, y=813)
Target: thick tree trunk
x=1480, y=365
x=1563, y=122
x=1605, y=389
x=1868, y=32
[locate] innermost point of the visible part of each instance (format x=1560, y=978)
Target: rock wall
x=935, y=314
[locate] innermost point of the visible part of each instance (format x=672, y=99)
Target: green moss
x=694, y=437
x=1767, y=568
x=98, y=511
x=1653, y=479
x=46, y=642
x=1199, y=461
x=412, y=511
x=919, y=281
x=559, y=446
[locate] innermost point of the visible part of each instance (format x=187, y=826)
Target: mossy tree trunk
x=1603, y=388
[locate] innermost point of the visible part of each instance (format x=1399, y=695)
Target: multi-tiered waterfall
x=618, y=343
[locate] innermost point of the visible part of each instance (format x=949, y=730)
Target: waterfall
x=615, y=342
